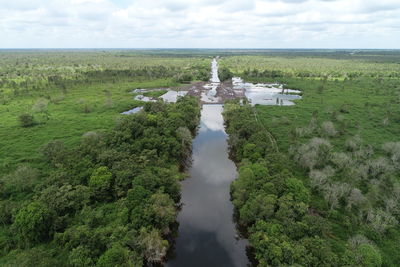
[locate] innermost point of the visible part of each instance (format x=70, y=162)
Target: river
x=207, y=235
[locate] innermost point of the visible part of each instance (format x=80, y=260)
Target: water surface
x=210, y=95
x=266, y=93
x=206, y=233
x=132, y=111
x=172, y=96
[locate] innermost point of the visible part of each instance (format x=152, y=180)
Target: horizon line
x=191, y=48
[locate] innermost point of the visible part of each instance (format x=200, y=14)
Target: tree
x=297, y=188
x=80, y=257
x=55, y=152
x=369, y=256
x=34, y=223
x=260, y=207
x=36, y=256
x=163, y=210
x=362, y=252
x=100, y=183
x=66, y=199
x=224, y=73
x=289, y=208
x=153, y=246
x=252, y=152
x=118, y=256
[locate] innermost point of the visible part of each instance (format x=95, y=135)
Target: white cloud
x=200, y=23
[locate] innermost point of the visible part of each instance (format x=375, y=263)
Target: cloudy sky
x=199, y=23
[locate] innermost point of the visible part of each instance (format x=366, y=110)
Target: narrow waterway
x=207, y=235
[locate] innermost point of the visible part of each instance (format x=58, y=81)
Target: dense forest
x=110, y=201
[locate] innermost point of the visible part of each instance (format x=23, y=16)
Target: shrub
x=40, y=105
x=22, y=179
x=321, y=177
x=380, y=167
x=334, y=192
x=314, y=153
x=355, y=199
x=380, y=220
x=26, y=120
x=358, y=172
x=304, y=131
x=353, y=143
x=341, y=160
x=364, y=153
x=393, y=151
x=329, y=129
x=57, y=99
x=84, y=105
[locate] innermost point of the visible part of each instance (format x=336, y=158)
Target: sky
x=200, y=24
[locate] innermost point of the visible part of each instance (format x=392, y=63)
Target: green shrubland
x=339, y=143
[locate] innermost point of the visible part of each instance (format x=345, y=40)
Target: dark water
x=206, y=233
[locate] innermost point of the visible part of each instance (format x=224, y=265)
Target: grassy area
x=73, y=92
x=355, y=116
x=84, y=108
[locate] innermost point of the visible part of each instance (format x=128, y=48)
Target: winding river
x=207, y=235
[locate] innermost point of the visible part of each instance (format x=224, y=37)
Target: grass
x=81, y=97
x=67, y=119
